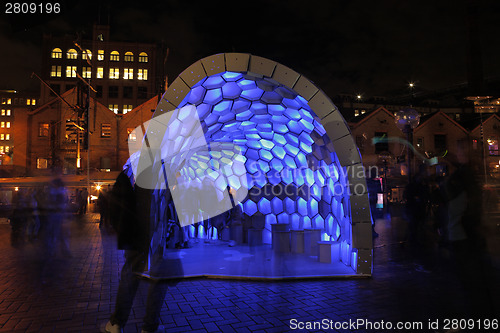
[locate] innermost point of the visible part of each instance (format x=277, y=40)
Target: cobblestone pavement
x=408, y=285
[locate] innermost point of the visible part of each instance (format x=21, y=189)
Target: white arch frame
x=331, y=118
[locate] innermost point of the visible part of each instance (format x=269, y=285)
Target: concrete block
x=176, y=92
x=214, y=64
x=237, y=62
x=193, y=74
x=285, y=75
x=362, y=235
x=335, y=126
x=305, y=88
x=360, y=208
x=321, y=104
x=346, y=150
x=261, y=66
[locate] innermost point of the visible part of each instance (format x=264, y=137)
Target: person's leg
x=156, y=295
x=134, y=261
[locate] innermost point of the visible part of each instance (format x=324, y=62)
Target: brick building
x=53, y=129
x=14, y=108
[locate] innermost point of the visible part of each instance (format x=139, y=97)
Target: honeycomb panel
x=289, y=161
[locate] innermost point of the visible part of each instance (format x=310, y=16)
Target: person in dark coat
x=134, y=222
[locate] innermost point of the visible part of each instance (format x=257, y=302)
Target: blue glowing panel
x=252, y=94
x=277, y=205
x=264, y=206
x=215, y=81
x=230, y=76
x=285, y=147
x=213, y=96
x=222, y=107
x=231, y=90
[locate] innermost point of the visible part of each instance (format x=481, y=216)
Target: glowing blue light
x=276, y=109
x=280, y=128
x=247, y=84
x=276, y=131
x=279, y=139
x=231, y=76
x=222, y=107
x=302, y=206
x=277, y=164
x=196, y=95
x=294, y=127
x=266, y=155
x=267, y=144
x=213, y=82
x=252, y=94
x=264, y=206
x=213, y=96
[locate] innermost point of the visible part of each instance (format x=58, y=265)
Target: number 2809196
x=32, y=8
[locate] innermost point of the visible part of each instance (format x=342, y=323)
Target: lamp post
x=407, y=120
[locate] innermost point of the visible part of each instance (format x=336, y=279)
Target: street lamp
x=407, y=120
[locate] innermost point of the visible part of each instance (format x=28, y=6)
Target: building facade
x=13, y=115
x=122, y=75
x=55, y=136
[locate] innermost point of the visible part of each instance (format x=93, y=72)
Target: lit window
x=33, y=101
x=87, y=54
x=70, y=71
x=7, y=124
x=420, y=142
x=356, y=113
x=87, y=72
x=100, y=55
x=2, y=136
x=2, y=124
x=115, y=56
x=43, y=130
x=142, y=74
x=143, y=57
x=127, y=108
x=3, y=100
x=71, y=54
x=42, y=163
x=28, y=101
x=3, y=112
x=128, y=73
x=8, y=112
x=105, y=130
x=129, y=57
x=363, y=111
x=57, y=53
x=9, y=100
x=55, y=71
x=114, y=73
x=100, y=72
x=114, y=108
x=7, y=136
x=132, y=135
x=1, y=149
x=7, y=149
x=492, y=147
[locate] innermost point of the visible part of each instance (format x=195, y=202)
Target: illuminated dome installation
x=301, y=165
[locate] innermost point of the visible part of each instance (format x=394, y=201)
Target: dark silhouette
x=467, y=243
x=132, y=218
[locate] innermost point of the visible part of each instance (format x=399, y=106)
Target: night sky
x=367, y=47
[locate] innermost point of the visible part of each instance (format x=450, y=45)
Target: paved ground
x=408, y=285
